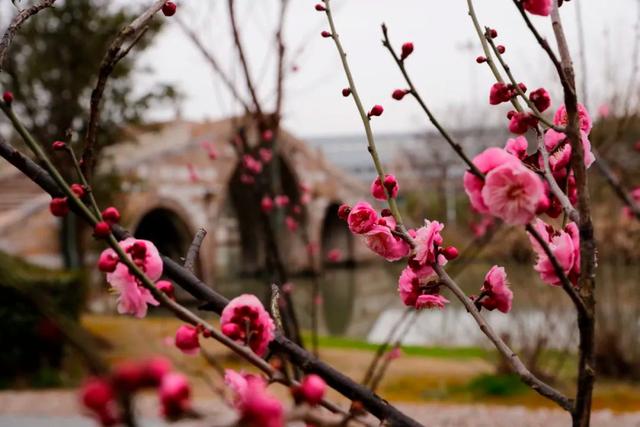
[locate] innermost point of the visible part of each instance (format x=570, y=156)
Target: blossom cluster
x=99, y=395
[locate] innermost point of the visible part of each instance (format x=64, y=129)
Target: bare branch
x=243, y=59
x=15, y=25
x=454, y=145
x=193, y=254
x=213, y=62
x=281, y=56
x=216, y=302
x=614, y=182
x=512, y=358
x=114, y=54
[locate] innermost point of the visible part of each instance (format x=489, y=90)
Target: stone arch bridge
x=170, y=188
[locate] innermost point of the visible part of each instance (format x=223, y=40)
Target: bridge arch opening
x=244, y=247
x=336, y=236
x=168, y=231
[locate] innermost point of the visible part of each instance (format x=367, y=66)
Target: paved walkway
x=61, y=409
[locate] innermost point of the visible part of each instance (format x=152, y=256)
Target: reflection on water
x=363, y=303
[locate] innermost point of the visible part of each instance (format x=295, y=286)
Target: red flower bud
x=450, y=252
x=499, y=93
x=493, y=33
x=169, y=8
x=481, y=59
x=111, y=215
x=320, y=7
x=311, y=390
x=267, y=135
x=166, y=287
x=128, y=376
x=385, y=212
x=343, y=211
x=325, y=34
x=541, y=99
x=398, y=94
x=108, y=261
x=101, y=230
x=522, y=87
x=58, y=145
x=59, y=206
x=78, y=190
x=376, y=110
x=407, y=49
x=500, y=48
x=346, y=92
x=7, y=97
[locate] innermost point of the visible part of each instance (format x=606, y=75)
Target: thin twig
x=243, y=59
x=114, y=54
x=454, y=145
x=213, y=62
x=193, y=254
x=393, y=206
x=15, y=25
x=512, y=358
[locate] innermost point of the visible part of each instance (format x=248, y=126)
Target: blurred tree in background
x=52, y=69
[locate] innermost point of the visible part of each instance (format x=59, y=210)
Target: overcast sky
x=442, y=65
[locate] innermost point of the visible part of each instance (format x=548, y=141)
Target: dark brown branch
x=216, y=302
x=114, y=54
x=243, y=59
x=510, y=356
x=15, y=25
x=544, y=44
x=454, y=145
x=193, y=254
x=586, y=321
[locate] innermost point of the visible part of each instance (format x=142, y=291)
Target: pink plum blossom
x=564, y=245
x=513, y=193
x=517, y=147
x=500, y=93
x=187, y=339
x=541, y=99
x=175, y=395
x=334, y=255
x=132, y=296
x=282, y=200
x=537, y=7
x=266, y=204
x=246, y=315
x=561, y=119
x=390, y=183
x=362, y=218
x=412, y=287
x=431, y=301
x=559, y=148
x=251, y=164
x=256, y=407
x=486, y=161
x=265, y=155
x=291, y=223
x=496, y=290
x=381, y=240
x=311, y=390
x=427, y=238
